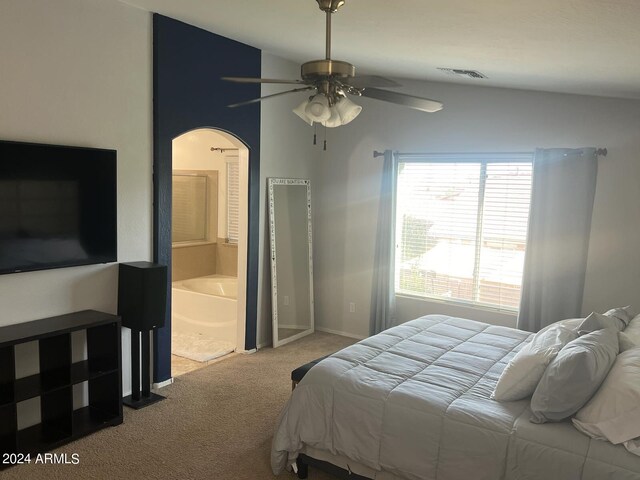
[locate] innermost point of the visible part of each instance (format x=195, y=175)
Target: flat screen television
x=58, y=206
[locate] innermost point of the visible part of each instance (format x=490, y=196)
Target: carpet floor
x=216, y=423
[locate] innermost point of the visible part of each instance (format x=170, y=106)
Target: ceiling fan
x=333, y=81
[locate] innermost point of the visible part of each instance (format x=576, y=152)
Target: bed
x=413, y=402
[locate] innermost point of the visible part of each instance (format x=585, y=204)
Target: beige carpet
x=216, y=424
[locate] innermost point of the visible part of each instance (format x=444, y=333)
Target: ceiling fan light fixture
x=318, y=108
x=300, y=111
x=348, y=110
x=334, y=120
x=332, y=79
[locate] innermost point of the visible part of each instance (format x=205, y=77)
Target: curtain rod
x=601, y=152
x=222, y=150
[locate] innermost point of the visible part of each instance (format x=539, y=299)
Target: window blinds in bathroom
x=189, y=208
x=233, y=199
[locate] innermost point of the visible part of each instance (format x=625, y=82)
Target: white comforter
x=413, y=403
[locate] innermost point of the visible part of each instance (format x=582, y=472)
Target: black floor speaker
x=142, y=295
x=142, y=300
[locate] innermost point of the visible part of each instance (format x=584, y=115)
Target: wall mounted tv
x=58, y=206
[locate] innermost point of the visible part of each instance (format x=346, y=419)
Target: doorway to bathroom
x=209, y=245
x=188, y=94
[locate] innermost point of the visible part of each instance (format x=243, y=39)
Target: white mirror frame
x=274, y=280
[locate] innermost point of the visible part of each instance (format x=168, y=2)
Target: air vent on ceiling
x=462, y=73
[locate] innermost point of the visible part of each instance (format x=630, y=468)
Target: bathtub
x=204, y=316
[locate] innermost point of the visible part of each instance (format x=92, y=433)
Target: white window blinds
x=189, y=212
x=233, y=199
x=461, y=227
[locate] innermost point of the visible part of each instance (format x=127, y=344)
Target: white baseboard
x=163, y=384
x=263, y=345
x=249, y=352
x=293, y=327
x=342, y=334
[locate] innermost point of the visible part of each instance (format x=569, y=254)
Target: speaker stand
x=140, y=399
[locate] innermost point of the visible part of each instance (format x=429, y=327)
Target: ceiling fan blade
x=259, y=80
x=255, y=100
x=417, y=103
x=364, y=81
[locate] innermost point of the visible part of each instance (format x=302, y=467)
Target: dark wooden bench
x=299, y=373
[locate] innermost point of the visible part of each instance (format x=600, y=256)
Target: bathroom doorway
x=209, y=247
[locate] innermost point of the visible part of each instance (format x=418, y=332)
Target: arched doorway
x=209, y=247
x=210, y=142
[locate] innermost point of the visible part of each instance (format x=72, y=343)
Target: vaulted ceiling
x=574, y=46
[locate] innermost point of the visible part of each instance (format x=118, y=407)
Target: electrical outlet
x=352, y=307
x=286, y=300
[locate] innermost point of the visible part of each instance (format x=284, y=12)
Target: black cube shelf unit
x=60, y=423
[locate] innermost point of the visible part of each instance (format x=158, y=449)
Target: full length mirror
x=291, y=259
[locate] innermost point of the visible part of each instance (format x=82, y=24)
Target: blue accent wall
x=188, y=93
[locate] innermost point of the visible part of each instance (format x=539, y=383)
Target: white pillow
x=634, y=325
x=521, y=376
x=613, y=413
x=630, y=337
x=574, y=376
x=633, y=446
x=624, y=314
x=570, y=323
x=598, y=321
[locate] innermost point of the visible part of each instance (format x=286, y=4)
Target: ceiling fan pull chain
x=325, y=139
x=315, y=130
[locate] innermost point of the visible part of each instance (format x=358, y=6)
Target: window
x=189, y=212
x=461, y=227
x=233, y=199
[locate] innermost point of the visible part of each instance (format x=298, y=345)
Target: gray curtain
x=564, y=184
x=383, y=300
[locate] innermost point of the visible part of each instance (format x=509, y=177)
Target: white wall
x=474, y=119
x=286, y=150
x=78, y=72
